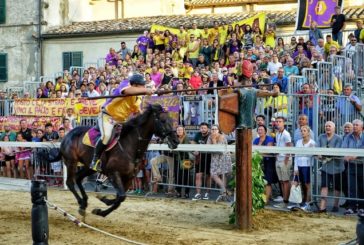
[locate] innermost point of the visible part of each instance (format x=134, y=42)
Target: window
x=2, y=12
x=3, y=67
x=71, y=59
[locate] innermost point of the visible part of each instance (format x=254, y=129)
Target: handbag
x=295, y=195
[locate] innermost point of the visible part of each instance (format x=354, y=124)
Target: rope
x=82, y=224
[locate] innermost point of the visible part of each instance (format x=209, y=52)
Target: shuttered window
x=3, y=67
x=2, y=12
x=71, y=59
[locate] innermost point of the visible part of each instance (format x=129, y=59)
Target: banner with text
x=315, y=10
x=169, y=103
x=57, y=107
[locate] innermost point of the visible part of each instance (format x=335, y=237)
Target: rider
x=118, y=110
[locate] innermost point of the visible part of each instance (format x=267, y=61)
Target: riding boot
x=99, y=149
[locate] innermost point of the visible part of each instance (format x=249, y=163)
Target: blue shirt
x=290, y=70
x=283, y=82
x=351, y=142
x=344, y=105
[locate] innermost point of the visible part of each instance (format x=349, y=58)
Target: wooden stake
x=244, y=178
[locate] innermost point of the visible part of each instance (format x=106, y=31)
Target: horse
x=120, y=163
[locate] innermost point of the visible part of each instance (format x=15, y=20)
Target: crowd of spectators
x=224, y=55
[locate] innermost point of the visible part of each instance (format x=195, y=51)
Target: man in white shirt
x=283, y=162
x=91, y=92
x=320, y=46
x=351, y=45
x=274, y=65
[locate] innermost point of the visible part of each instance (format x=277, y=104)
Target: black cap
x=137, y=79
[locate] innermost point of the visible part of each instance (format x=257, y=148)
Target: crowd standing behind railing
x=317, y=80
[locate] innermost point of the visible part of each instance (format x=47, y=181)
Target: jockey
x=118, y=110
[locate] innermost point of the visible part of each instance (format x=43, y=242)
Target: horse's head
x=164, y=126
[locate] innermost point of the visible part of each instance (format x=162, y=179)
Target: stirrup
x=96, y=166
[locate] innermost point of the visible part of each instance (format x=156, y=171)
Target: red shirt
x=195, y=82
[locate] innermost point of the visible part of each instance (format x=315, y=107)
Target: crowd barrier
x=167, y=171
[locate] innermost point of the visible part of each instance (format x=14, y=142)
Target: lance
x=161, y=92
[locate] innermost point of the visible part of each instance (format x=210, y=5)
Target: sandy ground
x=168, y=221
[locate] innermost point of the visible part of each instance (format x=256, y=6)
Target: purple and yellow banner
x=319, y=11
x=169, y=103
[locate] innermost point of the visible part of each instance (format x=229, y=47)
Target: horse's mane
x=140, y=119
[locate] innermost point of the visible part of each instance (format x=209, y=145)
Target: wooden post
x=244, y=178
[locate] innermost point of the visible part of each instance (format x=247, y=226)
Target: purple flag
x=319, y=11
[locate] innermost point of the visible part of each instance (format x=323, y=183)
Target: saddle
x=93, y=135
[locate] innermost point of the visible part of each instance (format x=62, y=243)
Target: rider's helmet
x=137, y=78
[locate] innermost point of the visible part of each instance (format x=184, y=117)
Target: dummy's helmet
x=137, y=79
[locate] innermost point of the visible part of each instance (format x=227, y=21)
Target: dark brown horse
x=121, y=162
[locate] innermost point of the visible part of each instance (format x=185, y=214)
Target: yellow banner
x=56, y=107
x=257, y=20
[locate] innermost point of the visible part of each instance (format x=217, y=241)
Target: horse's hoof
x=96, y=211
x=82, y=212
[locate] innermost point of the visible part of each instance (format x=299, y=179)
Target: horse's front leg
x=120, y=195
x=81, y=174
x=70, y=182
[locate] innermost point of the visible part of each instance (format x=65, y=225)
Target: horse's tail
x=55, y=155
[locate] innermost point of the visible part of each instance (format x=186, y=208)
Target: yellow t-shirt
x=120, y=109
x=193, y=54
x=196, y=32
x=328, y=45
x=204, y=35
x=158, y=39
x=276, y=102
x=270, y=39
x=213, y=34
x=361, y=36
x=182, y=35
x=222, y=36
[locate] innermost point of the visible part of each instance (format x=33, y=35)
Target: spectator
x=329, y=43
x=352, y=44
x=202, y=163
x=302, y=121
x=193, y=50
x=50, y=134
x=143, y=42
x=123, y=51
x=332, y=168
x=220, y=162
x=91, y=92
x=320, y=47
x=355, y=140
x=196, y=33
x=182, y=164
x=206, y=51
x=274, y=65
x=314, y=34
x=22, y=156
x=66, y=125
x=40, y=94
x=196, y=81
x=347, y=129
x=277, y=106
x=7, y=132
x=9, y=157
x=281, y=79
x=338, y=25
x=348, y=110
x=269, y=168
x=290, y=68
x=283, y=162
x=112, y=57
x=359, y=28
x=270, y=37
x=25, y=131
x=302, y=166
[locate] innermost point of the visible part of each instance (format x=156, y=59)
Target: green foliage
x=257, y=185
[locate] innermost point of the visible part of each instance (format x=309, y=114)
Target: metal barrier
x=325, y=75
x=31, y=87
x=311, y=76
x=44, y=79
x=295, y=83
x=90, y=64
x=101, y=62
x=19, y=91
x=79, y=70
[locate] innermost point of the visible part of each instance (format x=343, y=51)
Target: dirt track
x=168, y=221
